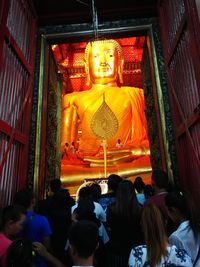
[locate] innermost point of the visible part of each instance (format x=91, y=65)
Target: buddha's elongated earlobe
x=88, y=80
x=86, y=63
x=120, y=71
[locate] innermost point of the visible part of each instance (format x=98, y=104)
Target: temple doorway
x=75, y=168
x=66, y=74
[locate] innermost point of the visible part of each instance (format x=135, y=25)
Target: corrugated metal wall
x=17, y=49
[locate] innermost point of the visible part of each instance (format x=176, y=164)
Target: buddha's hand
x=140, y=151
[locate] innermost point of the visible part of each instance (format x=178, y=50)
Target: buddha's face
x=103, y=63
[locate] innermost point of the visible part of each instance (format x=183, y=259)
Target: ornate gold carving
x=104, y=123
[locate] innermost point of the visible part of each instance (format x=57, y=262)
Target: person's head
x=83, y=240
x=148, y=191
x=19, y=253
x=139, y=184
x=125, y=191
x=154, y=233
x=25, y=198
x=84, y=192
x=12, y=219
x=113, y=182
x=85, y=211
x=103, y=60
x=55, y=185
x=182, y=207
x=159, y=179
x=95, y=191
x=177, y=206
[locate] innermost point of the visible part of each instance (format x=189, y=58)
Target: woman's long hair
x=126, y=205
x=154, y=234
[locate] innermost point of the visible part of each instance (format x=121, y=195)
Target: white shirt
x=118, y=145
x=184, y=238
x=98, y=210
x=178, y=257
x=103, y=234
x=141, y=198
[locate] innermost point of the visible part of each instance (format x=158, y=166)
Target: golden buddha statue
x=104, y=66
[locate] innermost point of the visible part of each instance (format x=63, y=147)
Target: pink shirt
x=4, y=244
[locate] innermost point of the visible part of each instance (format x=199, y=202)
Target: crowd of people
x=133, y=224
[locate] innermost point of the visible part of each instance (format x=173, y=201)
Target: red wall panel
x=17, y=49
x=180, y=36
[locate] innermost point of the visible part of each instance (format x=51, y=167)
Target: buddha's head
x=103, y=62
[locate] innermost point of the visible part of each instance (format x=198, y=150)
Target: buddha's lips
x=104, y=68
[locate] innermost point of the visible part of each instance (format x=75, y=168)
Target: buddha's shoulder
x=75, y=95
x=132, y=90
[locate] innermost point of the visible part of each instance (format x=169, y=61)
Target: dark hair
x=55, y=185
x=113, y=181
x=85, y=192
x=12, y=212
x=148, y=191
x=183, y=202
x=24, y=197
x=154, y=233
x=61, y=200
x=95, y=191
x=139, y=184
x=85, y=211
x=84, y=236
x=19, y=253
x=126, y=205
x=160, y=178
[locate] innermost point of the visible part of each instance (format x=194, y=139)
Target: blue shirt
x=35, y=228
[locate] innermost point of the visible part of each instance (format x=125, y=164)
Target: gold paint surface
x=87, y=119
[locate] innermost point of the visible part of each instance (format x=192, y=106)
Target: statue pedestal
x=73, y=176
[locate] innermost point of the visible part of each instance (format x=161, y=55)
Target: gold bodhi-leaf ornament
x=104, y=123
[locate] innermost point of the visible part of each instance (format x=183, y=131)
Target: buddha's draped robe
x=127, y=103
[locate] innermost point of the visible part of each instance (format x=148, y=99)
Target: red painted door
x=180, y=32
x=17, y=50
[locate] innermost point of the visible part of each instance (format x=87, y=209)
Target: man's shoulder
x=35, y=218
x=4, y=244
x=156, y=197
x=4, y=239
